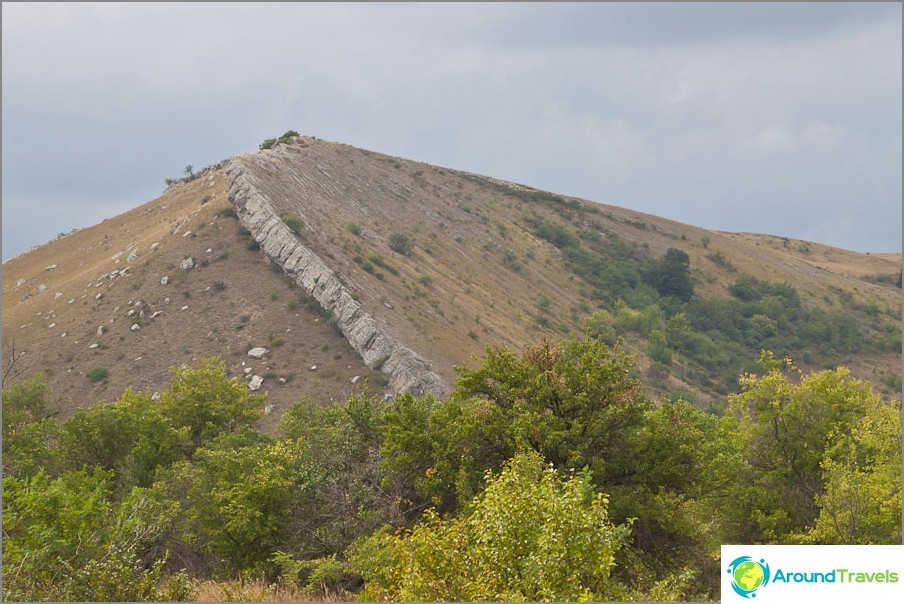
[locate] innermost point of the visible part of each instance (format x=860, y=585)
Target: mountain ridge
x=471, y=268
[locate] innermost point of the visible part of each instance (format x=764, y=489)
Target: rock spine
x=407, y=370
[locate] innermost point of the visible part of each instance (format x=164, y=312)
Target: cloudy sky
x=772, y=118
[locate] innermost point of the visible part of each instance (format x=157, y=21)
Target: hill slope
x=422, y=267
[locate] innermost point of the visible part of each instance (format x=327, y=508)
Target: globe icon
x=748, y=575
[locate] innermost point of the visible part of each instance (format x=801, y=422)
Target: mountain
x=351, y=266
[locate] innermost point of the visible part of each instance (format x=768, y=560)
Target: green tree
x=235, y=495
x=400, y=244
x=670, y=276
x=66, y=539
x=782, y=422
x=207, y=402
x=29, y=430
x=129, y=436
x=340, y=443
x=574, y=402
x=532, y=535
x=861, y=499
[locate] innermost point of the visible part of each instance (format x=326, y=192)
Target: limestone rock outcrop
x=407, y=370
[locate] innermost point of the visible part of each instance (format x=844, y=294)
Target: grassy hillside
x=478, y=261
x=449, y=262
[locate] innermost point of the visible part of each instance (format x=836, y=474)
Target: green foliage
x=670, y=276
x=783, y=429
x=237, y=493
x=530, y=536
x=425, y=280
x=354, y=228
x=400, y=244
x=129, y=436
x=601, y=325
x=341, y=442
x=294, y=223
x=66, y=539
x=98, y=374
x=572, y=402
x=273, y=142
x=204, y=400
x=381, y=262
x=861, y=499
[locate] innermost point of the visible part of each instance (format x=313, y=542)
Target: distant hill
x=352, y=266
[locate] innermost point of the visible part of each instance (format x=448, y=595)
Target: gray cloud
x=775, y=118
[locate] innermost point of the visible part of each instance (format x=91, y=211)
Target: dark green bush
x=400, y=244
x=294, y=223
x=97, y=374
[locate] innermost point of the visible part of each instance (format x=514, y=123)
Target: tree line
x=546, y=475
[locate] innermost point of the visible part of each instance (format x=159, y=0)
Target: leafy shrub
x=69, y=541
x=97, y=374
x=206, y=401
x=354, y=228
x=530, y=536
x=273, y=142
x=294, y=223
x=400, y=244
x=425, y=280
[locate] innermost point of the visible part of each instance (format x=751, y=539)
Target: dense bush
x=490, y=493
x=294, y=223
x=97, y=374
x=400, y=244
x=531, y=535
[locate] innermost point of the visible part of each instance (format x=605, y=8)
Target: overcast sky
x=771, y=118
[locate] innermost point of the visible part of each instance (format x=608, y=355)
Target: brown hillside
x=228, y=303
x=475, y=274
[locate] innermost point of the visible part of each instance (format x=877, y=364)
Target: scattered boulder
x=99, y=296
x=155, y=396
x=313, y=367
x=135, y=327
x=42, y=288
x=255, y=383
x=164, y=280
x=50, y=267
x=132, y=257
x=155, y=245
x=188, y=264
x=268, y=409
x=57, y=295
x=281, y=380
x=95, y=345
x=258, y=352
x=356, y=379
x=20, y=282
x=100, y=330
x=247, y=370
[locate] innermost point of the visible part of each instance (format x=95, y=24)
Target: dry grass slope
x=473, y=272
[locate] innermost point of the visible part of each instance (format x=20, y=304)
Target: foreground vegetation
x=546, y=475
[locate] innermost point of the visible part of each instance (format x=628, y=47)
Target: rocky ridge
x=407, y=370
